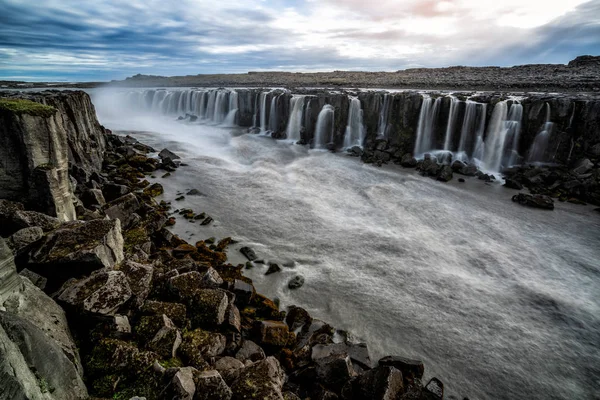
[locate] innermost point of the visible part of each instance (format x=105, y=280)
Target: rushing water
x=500, y=301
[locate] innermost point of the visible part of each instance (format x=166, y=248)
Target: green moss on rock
x=22, y=106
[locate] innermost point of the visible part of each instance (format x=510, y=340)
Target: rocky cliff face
x=40, y=145
x=38, y=358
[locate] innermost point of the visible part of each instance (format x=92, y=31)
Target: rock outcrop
x=44, y=137
x=38, y=358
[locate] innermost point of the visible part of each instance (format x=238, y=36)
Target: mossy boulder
x=156, y=189
x=261, y=380
x=175, y=311
x=271, y=333
x=118, y=369
x=139, y=277
x=198, y=345
x=207, y=307
x=102, y=293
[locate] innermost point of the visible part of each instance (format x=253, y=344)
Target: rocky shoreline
x=119, y=307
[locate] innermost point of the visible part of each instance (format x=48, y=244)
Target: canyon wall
x=497, y=129
x=45, y=137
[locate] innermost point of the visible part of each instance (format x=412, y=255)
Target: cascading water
x=452, y=115
x=273, y=115
x=537, y=153
x=426, y=127
x=230, y=120
x=355, y=130
x=515, y=115
x=496, y=137
x=324, y=128
x=472, y=131
x=263, y=112
x=294, y=126
x=384, y=114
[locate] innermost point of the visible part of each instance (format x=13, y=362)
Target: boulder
x=175, y=311
x=334, y=371
x=271, y=333
x=139, y=278
x=207, y=307
x=185, y=285
x=244, y=292
x=124, y=208
x=38, y=280
x=113, y=191
x=381, y=383
x=76, y=249
x=92, y=198
x=297, y=317
x=468, y=170
x=119, y=367
x=408, y=161
x=296, y=282
x=457, y=165
x=168, y=155
x=250, y=351
x=198, y=345
x=229, y=368
x=233, y=319
x=102, y=293
x=183, y=385
x=211, y=386
x=535, y=200
x=167, y=340
x=411, y=369
x=273, y=268
x=13, y=217
x=434, y=389
x=156, y=189
x=21, y=239
x=261, y=380
x=583, y=167
x=445, y=174
x=248, y=253
x=512, y=184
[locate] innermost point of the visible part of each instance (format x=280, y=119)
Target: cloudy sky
x=101, y=40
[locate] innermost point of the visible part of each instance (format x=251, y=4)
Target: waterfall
x=324, y=129
x=355, y=130
x=494, y=145
x=273, y=115
x=263, y=111
x=384, y=115
x=256, y=110
x=233, y=108
x=513, y=125
x=452, y=114
x=540, y=143
x=294, y=126
x=425, y=129
x=472, y=131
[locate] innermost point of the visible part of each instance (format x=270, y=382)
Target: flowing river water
x=500, y=301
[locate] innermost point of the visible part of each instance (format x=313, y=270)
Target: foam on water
x=499, y=300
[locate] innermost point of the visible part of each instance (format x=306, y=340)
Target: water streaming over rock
x=294, y=126
x=472, y=131
x=273, y=115
x=355, y=130
x=384, y=115
x=263, y=111
x=425, y=140
x=324, y=128
x=233, y=108
x=452, y=117
x=537, y=152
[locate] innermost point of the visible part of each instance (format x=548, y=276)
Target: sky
x=87, y=40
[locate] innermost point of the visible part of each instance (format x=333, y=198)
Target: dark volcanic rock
x=535, y=200
x=249, y=253
x=296, y=282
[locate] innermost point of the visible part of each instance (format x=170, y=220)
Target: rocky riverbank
x=118, y=306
